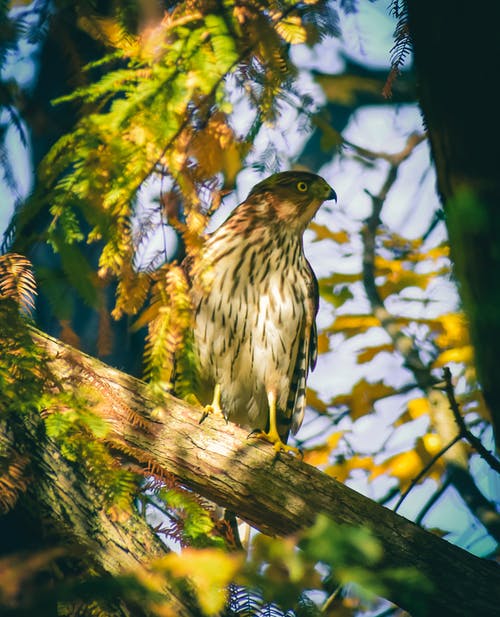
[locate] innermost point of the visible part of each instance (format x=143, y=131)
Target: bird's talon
x=275, y=441
x=279, y=446
x=255, y=433
x=214, y=407
x=204, y=416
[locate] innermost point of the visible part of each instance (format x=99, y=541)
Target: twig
x=400, y=340
x=424, y=471
x=431, y=501
x=394, y=159
x=464, y=432
x=331, y=598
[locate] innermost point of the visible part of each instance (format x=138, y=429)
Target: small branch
x=401, y=341
x=432, y=500
x=331, y=598
x=394, y=159
x=425, y=470
x=464, y=432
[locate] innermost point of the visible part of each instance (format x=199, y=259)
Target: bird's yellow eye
x=302, y=186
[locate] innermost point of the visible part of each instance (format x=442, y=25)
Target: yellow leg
x=272, y=436
x=214, y=407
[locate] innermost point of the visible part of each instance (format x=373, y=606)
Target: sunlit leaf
x=354, y=324
x=404, y=467
x=362, y=397
x=432, y=443
x=455, y=330
x=323, y=342
x=458, y=354
x=208, y=570
x=341, y=470
x=315, y=402
x=370, y=352
x=325, y=233
x=320, y=455
x=418, y=407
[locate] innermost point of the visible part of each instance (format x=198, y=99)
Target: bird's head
x=291, y=197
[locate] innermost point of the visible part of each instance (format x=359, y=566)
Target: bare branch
x=425, y=470
x=464, y=432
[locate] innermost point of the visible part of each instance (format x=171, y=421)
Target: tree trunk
x=277, y=495
x=457, y=60
x=61, y=514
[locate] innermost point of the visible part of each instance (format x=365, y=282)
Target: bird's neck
x=276, y=242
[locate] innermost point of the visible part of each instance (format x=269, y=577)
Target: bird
x=255, y=298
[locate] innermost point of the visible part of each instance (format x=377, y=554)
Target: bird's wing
x=306, y=354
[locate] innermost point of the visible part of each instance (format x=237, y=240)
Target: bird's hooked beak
x=332, y=195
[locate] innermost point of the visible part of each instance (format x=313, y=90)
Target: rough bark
x=276, y=495
x=457, y=60
x=60, y=513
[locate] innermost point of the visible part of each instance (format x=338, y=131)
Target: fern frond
x=169, y=325
x=132, y=291
x=402, y=44
x=193, y=524
x=13, y=478
x=17, y=281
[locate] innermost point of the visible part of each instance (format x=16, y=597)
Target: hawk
x=255, y=299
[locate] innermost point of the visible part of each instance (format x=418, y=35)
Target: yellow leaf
x=321, y=454
x=334, y=438
x=458, y=354
x=370, y=352
x=455, y=330
x=397, y=242
x=325, y=233
x=209, y=570
x=341, y=471
x=108, y=31
x=404, y=466
x=387, y=266
x=317, y=456
x=418, y=407
x=339, y=278
x=362, y=397
x=357, y=323
x=323, y=343
x=432, y=443
x=438, y=252
x=401, y=279
x=216, y=148
x=315, y=402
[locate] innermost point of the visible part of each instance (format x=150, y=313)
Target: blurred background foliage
x=129, y=128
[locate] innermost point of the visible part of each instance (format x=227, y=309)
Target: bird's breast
x=249, y=315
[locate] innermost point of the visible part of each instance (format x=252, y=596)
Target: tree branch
x=441, y=419
x=276, y=495
x=464, y=432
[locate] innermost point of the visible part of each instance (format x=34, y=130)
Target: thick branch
x=278, y=496
x=61, y=510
